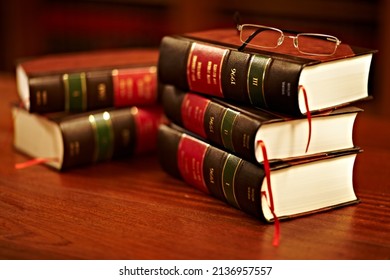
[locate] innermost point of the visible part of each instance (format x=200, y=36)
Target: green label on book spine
x=229, y=172
x=104, y=136
x=255, y=84
x=75, y=92
x=227, y=128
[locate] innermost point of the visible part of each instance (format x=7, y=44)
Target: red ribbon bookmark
x=33, y=162
x=308, y=114
x=271, y=206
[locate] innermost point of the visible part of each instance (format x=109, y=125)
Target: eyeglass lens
x=316, y=44
x=262, y=37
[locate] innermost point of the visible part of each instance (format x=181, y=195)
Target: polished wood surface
x=131, y=209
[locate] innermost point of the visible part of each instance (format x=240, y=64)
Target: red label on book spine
x=204, y=67
x=193, y=110
x=190, y=157
x=134, y=86
x=146, y=123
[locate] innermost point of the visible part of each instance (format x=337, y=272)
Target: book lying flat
x=85, y=81
x=299, y=187
x=66, y=141
x=239, y=128
x=282, y=80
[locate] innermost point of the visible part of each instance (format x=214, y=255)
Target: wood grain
x=131, y=209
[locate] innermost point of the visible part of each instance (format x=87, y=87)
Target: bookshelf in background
x=58, y=25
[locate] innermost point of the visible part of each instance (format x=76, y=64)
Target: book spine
x=102, y=136
x=46, y=94
x=222, y=126
x=254, y=79
x=93, y=90
x=211, y=170
x=135, y=86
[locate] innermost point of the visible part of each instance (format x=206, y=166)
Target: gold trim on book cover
x=103, y=135
x=257, y=70
x=229, y=172
x=75, y=86
x=226, y=130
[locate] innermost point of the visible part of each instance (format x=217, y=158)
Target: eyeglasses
x=270, y=37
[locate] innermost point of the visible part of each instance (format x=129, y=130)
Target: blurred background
x=37, y=27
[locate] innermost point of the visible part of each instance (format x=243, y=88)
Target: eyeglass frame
x=282, y=37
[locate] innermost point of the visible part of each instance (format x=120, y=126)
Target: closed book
x=281, y=79
x=295, y=188
x=86, y=81
x=238, y=128
x=65, y=141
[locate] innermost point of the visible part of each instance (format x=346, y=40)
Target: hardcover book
x=238, y=128
x=64, y=141
x=85, y=81
x=293, y=188
x=282, y=80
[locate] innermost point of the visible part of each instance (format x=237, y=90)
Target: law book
x=292, y=188
x=64, y=141
x=281, y=80
x=87, y=81
x=238, y=128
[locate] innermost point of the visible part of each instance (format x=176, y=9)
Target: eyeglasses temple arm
x=247, y=41
x=237, y=21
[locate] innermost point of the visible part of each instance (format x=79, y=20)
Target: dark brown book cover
x=240, y=183
x=74, y=140
x=236, y=127
x=85, y=81
x=208, y=62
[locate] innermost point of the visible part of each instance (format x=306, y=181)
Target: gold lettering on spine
x=199, y=70
x=211, y=125
x=144, y=87
x=251, y=194
x=148, y=83
x=122, y=87
x=215, y=73
x=211, y=173
x=41, y=97
x=102, y=92
x=233, y=76
x=255, y=81
x=193, y=68
x=209, y=66
x=74, y=148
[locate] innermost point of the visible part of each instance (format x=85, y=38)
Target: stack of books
x=81, y=108
x=263, y=125
x=259, y=119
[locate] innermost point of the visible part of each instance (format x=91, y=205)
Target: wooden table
x=131, y=209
